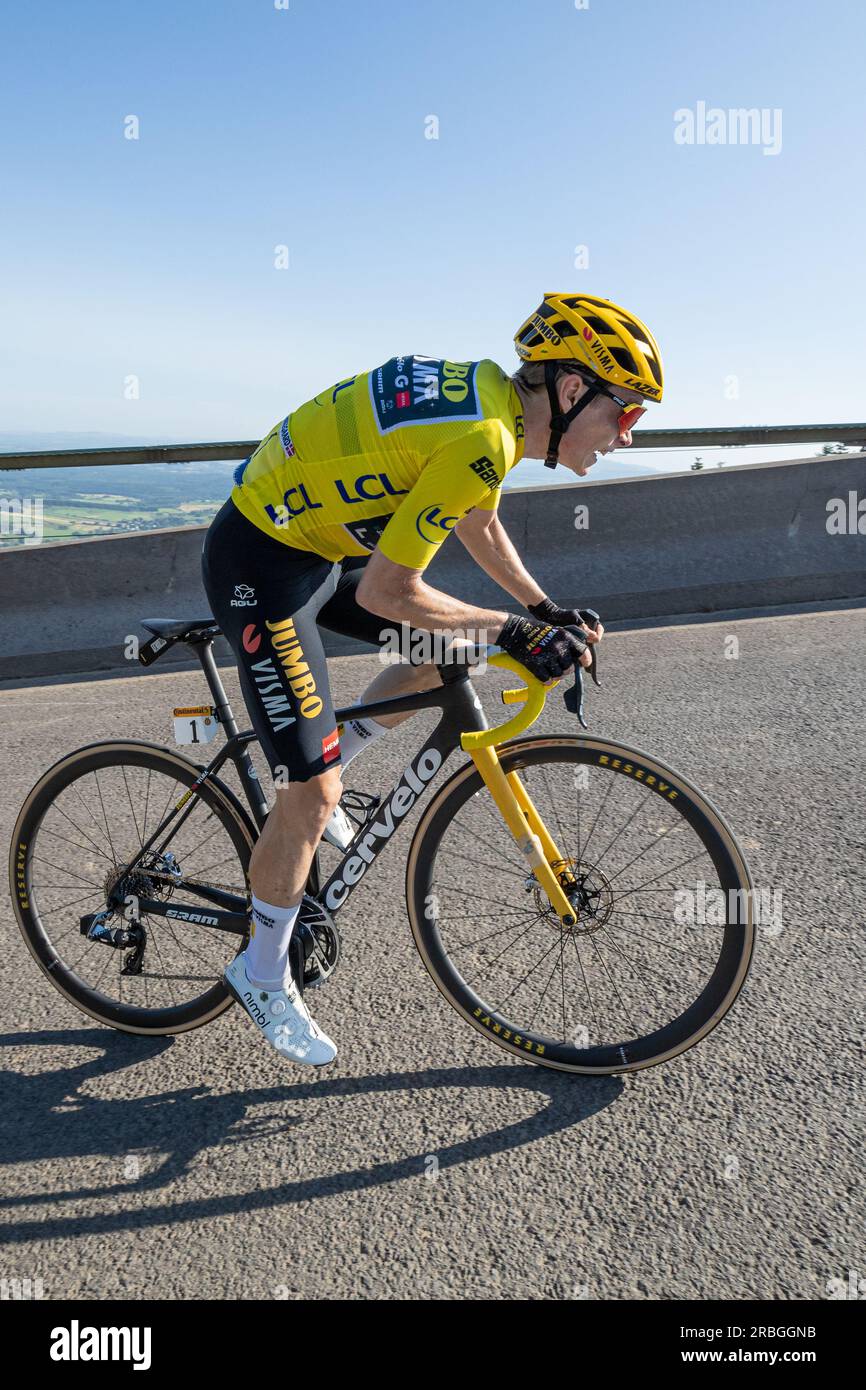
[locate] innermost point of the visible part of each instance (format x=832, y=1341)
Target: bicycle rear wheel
x=665, y=931
x=79, y=830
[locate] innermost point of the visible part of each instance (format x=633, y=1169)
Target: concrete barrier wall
x=656, y=547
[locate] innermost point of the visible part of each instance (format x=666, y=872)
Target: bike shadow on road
x=49, y=1116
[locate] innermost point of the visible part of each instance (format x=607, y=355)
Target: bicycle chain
x=182, y=883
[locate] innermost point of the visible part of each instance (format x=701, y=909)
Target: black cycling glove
x=547, y=652
x=550, y=612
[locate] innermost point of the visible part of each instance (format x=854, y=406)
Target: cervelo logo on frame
x=379, y=832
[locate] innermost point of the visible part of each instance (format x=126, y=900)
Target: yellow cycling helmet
x=604, y=339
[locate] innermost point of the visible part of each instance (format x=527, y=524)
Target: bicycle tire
x=97, y=1005
x=611, y=1059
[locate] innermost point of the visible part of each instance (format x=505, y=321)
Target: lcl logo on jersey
x=432, y=523
x=366, y=488
x=244, y=597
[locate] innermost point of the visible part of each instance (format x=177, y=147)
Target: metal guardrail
x=643, y=439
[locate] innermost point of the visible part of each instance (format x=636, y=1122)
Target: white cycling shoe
x=339, y=832
x=282, y=1016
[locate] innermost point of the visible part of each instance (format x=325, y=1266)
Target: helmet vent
x=624, y=358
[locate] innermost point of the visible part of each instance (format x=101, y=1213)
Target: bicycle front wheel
x=662, y=894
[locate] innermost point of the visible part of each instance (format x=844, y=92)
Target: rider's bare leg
x=404, y=679
x=280, y=862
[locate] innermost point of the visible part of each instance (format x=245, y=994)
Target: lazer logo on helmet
x=431, y=523
x=645, y=388
x=379, y=832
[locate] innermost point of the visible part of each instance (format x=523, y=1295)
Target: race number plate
x=195, y=724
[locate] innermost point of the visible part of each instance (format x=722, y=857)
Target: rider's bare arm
x=392, y=591
x=490, y=546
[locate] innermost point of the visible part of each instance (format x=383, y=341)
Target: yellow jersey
x=392, y=458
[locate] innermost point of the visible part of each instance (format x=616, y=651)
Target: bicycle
x=531, y=892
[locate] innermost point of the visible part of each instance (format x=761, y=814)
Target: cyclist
x=331, y=523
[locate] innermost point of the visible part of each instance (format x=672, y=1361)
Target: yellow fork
x=516, y=807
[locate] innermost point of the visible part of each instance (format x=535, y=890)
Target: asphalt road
x=424, y=1164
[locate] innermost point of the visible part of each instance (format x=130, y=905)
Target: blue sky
x=305, y=127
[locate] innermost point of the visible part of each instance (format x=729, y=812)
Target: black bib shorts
x=270, y=601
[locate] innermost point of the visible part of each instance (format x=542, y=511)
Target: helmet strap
x=559, y=423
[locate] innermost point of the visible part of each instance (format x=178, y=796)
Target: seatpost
x=225, y=715
x=204, y=652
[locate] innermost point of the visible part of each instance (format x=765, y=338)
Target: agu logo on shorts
x=433, y=526
x=251, y=638
x=331, y=746
x=290, y=655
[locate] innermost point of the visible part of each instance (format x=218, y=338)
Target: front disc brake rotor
x=588, y=891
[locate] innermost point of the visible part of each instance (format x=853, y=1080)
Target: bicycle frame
x=462, y=727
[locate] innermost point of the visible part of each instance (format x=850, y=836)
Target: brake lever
x=591, y=619
x=574, y=697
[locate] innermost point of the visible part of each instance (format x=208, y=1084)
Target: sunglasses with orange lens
x=630, y=416
x=630, y=413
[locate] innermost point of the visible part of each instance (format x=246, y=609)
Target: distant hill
x=70, y=439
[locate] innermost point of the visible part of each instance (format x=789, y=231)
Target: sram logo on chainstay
x=379, y=831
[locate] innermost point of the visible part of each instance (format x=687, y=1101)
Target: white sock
x=356, y=734
x=267, y=956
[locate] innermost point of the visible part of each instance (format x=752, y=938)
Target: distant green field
x=99, y=499
x=83, y=519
